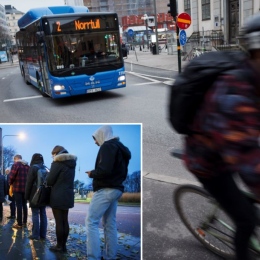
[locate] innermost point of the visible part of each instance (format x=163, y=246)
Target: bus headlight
x=121, y=78
x=58, y=87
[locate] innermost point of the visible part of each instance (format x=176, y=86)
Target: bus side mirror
x=40, y=37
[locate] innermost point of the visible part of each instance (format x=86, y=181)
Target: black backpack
x=41, y=174
x=190, y=87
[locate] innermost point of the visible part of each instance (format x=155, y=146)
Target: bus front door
x=43, y=81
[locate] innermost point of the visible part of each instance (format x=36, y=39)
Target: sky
x=76, y=138
x=25, y=5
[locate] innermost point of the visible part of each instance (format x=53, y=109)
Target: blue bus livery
x=66, y=51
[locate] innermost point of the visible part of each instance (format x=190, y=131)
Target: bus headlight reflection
x=121, y=78
x=58, y=87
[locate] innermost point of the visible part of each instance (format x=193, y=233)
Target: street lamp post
x=2, y=149
x=145, y=18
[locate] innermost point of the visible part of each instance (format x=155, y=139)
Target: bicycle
x=208, y=223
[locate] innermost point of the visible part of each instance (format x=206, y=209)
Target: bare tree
x=5, y=38
x=133, y=182
x=9, y=153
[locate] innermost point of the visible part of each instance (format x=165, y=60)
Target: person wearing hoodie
x=39, y=217
x=17, y=178
x=110, y=171
x=61, y=179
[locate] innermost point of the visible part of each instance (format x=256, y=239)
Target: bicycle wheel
x=209, y=224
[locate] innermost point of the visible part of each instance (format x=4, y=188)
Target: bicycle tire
x=201, y=224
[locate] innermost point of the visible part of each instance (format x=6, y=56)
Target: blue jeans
x=39, y=219
x=103, y=204
x=22, y=210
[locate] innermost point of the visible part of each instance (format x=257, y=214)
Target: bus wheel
x=40, y=87
x=25, y=80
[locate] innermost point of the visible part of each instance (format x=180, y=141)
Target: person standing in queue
x=39, y=217
x=108, y=176
x=17, y=178
x=61, y=179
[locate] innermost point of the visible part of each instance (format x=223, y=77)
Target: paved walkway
x=9, y=64
x=163, y=60
x=15, y=244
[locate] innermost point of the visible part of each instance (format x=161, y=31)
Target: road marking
x=144, y=77
x=146, y=83
x=147, y=75
x=168, y=179
x=23, y=98
x=169, y=82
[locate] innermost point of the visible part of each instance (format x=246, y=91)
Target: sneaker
x=16, y=226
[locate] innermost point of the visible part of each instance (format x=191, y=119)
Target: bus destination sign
x=79, y=25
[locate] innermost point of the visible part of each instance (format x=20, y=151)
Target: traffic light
x=173, y=8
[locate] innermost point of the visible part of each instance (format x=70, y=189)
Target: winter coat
x=31, y=183
x=3, y=191
x=61, y=179
x=18, y=175
x=112, y=161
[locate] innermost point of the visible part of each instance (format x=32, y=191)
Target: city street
x=144, y=100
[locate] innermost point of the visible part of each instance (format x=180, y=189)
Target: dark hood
x=125, y=151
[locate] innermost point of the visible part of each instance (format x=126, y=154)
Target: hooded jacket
x=18, y=175
x=112, y=161
x=61, y=179
x=31, y=183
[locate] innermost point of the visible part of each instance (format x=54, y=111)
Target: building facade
x=74, y=2
x=225, y=16
x=128, y=8
x=12, y=16
x=4, y=31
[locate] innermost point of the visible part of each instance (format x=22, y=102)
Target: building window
x=205, y=9
x=187, y=6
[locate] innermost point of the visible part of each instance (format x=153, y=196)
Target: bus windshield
x=82, y=51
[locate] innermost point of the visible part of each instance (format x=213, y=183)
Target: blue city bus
x=67, y=50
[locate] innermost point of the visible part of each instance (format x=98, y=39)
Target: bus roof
x=36, y=13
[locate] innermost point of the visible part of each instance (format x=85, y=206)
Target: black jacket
x=31, y=183
x=111, y=165
x=61, y=178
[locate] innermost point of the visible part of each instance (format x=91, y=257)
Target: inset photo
x=70, y=190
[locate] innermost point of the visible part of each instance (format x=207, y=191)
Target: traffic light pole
x=173, y=11
x=178, y=46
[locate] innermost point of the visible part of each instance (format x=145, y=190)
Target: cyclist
x=226, y=140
